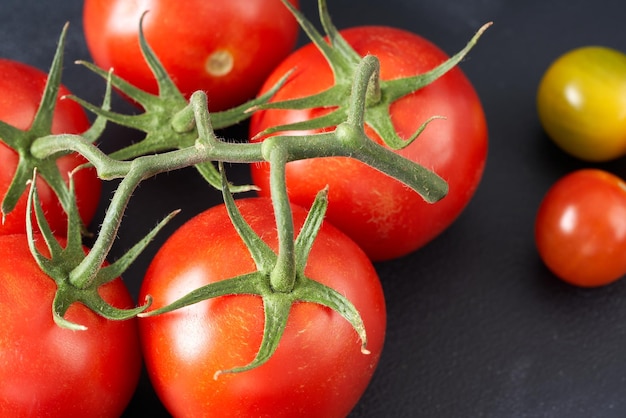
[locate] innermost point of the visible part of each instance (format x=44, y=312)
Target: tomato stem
x=348, y=139
x=283, y=276
x=139, y=169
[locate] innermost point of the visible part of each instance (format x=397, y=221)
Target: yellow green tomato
x=581, y=103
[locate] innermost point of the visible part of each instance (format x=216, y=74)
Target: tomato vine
x=181, y=133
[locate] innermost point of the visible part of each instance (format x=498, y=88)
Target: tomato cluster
x=265, y=306
x=580, y=229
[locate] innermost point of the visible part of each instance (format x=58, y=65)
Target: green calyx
x=344, y=63
x=21, y=140
x=63, y=262
x=277, y=303
x=348, y=139
x=168, y=118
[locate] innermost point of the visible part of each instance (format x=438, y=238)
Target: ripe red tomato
x=580, y=230
x=226, y=48
x=21, y=88
x=51, y=371
x=317, y=370
x=382, y=215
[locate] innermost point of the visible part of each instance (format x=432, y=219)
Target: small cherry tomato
x=580, y=229
x=581, y=103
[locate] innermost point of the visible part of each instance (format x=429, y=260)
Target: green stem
x=348, y=140
x=283, y=275
x=217, y=150
x=85, y=273
x=184, y=120
x=140, y=169
x=107, y=167
x=365, y=89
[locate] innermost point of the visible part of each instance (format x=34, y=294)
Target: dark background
x=477, y=326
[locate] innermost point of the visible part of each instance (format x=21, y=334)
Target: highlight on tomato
x=580, y=228
x=582, y=105
x=21, y=88
x=226, y=48
x=318, y=368
x=378, y=212
x=52, y=371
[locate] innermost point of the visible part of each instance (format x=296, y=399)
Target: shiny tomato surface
x=580, y=229
x=226, y=48
x=581, y=103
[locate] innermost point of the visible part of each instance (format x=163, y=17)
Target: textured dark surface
x=477, y=326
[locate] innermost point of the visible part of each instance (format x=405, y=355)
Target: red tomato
x=580, y=230
x=51, y=371
x=226, y=48
x=317, y=370
x=382, y=215
x=21, y=88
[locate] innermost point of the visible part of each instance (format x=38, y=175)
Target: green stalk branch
x=216, y=149
x=140, y=169
x=283, y=276
x=349, y=140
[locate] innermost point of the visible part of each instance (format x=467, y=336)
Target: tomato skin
x=318, y=369
x=49, y=371
x=580, y=229
x=257, y=34
x=581, y=102
x=379, y=213
x=21, y=88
